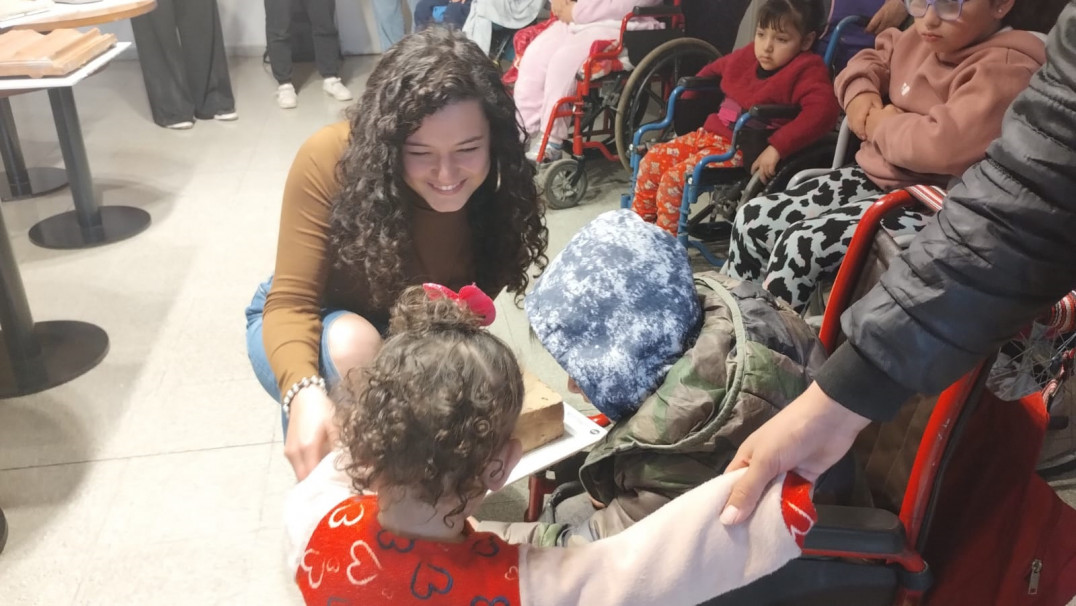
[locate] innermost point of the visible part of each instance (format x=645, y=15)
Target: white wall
x=243, y=22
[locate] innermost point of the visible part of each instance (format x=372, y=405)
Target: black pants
x=322, y=14
x=181, y=49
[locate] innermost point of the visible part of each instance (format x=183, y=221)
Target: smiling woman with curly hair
x=427, y=182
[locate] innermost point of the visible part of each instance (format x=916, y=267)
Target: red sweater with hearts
x=803, y=81
x=680, y=554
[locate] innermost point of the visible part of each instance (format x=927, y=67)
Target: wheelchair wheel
x=565, y=183
x=647, y=90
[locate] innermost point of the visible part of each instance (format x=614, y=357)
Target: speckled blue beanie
x=616, y=308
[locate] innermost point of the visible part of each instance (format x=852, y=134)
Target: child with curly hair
x=427, y=431
x=427, y=182
x=777, y=68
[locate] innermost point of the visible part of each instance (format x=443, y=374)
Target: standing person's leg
x=322, y=15
x=278, y=42
x=278, y=38
x=760, y=222
x=207, y=64
x=814, y=248
x=162, y=65
x=390, y=22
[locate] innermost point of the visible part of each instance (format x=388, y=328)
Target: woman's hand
x=891, y=14
x=808, y=437
x=857, y=111
x=876, y=116
x=311, y=431
x=562, y=9
x=766, y=164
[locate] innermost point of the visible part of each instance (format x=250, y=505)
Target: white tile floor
x=158, y=477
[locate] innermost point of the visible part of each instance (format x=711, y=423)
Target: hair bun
x=432, y=307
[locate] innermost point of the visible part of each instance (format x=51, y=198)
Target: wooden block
x=542, y=418
x=57, y=53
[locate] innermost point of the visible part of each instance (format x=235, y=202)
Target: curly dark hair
x=370, y=225
x=439, y=401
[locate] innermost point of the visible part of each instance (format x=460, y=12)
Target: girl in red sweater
x=427, y=429
x=777, y=68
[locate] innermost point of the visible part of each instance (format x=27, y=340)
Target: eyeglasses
x=947, y=10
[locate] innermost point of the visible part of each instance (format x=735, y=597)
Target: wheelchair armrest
x=697, y=83
x=773, y=112
x=656, y=11
x=855, y=530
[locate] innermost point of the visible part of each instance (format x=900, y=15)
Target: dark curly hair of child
x=418, y=76
x=441, y=398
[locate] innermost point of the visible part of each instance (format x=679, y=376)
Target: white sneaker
x=285, y=96
x=336, y=89
x=227, y=116
x=552, y=151
x=185, y=125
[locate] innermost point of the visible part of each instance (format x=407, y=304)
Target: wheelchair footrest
x=711, y=231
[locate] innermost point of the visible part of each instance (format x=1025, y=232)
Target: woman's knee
x=352, y=341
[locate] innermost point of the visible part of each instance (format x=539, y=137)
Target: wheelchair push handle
x=838, y=33
x=698, y=83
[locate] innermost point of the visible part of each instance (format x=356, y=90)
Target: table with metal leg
x=89, y=224
x=18, y=181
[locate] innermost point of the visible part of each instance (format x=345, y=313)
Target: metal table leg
x=39, y=355
x=89, y=224
x=18, y=181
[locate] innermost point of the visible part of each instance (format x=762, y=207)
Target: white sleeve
x=310, y=501
x=680, y=554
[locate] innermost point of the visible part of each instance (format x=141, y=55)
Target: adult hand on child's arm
x=891, y=14
x=808, y=437
x=858, y=109
x=766, y=163
x=311, y=431
x=876, y=116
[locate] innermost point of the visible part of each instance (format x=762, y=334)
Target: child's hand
x=858, y=109
x=766, y=164
x=875, y=117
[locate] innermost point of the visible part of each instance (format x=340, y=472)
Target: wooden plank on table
x=58, y=53
x=542, y=418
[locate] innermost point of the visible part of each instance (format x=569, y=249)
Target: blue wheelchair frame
x=692, y=184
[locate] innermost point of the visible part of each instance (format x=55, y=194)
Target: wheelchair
x=900, y=540
x=606, y=110
x=732, y=186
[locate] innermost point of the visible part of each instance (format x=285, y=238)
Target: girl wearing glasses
x=926, y=102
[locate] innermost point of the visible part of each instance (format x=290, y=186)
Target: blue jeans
x=260, y=361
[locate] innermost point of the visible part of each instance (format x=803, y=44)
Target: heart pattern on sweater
x=387, y=540
x=486, y=547
x=483, y=601
x=429, y=579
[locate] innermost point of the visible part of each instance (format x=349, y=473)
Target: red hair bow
x=470, y=295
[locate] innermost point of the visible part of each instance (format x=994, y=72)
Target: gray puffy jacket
x=1002, y=250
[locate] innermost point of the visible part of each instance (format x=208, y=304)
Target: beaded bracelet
x=301, y=384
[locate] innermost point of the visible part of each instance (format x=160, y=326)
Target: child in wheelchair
x=777, y=68
x=926, y=102
x=655, y=349
x=427, y=431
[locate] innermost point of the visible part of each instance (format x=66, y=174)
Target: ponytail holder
x=470, y=296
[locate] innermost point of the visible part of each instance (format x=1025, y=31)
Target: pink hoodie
x=953, y=103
